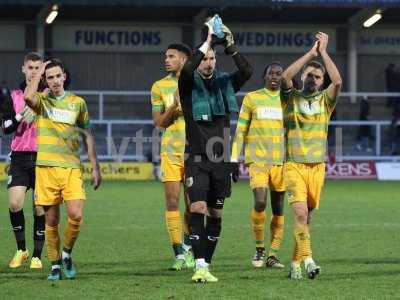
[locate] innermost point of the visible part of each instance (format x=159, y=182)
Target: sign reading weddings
x=273, y=39
x=277, y=39
x=114, y=38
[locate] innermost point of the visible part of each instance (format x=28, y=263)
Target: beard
x=309, y=86
x=207, y=72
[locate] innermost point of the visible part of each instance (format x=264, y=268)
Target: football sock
x=186, y=243
x=186, y=231
x=56, y=264
x=18, y=226
x=303, y=242
x=71, y=233
x=197, y=236
x=213, y=231
x=258, y=227
x=178, y=250
x=38, y=235
x=296, y=255
x=201, y=263
x=66, y=253
x=276, y=227
x=308, y=261
x=52, y=243
x=174, y=226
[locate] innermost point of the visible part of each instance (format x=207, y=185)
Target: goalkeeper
x=208, y=98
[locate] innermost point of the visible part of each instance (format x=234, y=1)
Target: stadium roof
x=272, y=11
x=210, y=3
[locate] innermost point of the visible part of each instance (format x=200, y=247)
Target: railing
x=116, y=138
x=351, y=96
x=116, y=144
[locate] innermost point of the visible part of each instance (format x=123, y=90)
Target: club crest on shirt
x=310, y=108
x=189, y=181
x=290, y=195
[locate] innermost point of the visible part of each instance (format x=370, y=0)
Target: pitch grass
x=123, y=251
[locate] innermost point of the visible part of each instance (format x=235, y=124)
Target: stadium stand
x=116, y=81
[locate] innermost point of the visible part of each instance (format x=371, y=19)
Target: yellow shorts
x=263, y=176
x=304, y=182
x=172, y=168
x=54, y=185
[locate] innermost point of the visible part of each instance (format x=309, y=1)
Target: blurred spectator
x=4, y=91
x=395, y=132
x=364, y=132
x=5, y=100
x=392, y=83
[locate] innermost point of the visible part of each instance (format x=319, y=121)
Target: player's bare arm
x=90, y=145
x=295, y=67
x=33, y=85
x=336, y=85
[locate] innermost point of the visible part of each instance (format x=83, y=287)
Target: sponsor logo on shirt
x=269, y=113
x=61, y=115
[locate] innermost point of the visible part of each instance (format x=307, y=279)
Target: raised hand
x=42, y=68
x=314, y=50
x=229, y=41
x=323, y=39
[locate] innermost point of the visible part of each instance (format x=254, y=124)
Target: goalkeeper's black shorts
x=208, y=181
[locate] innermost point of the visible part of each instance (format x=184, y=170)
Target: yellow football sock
x=258, y=226
x=174, y=226
x=276, y=227
x=303, y=241
x=71, y=233
x=52, y=242
x=296, y=255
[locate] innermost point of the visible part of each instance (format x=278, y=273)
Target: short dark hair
x=185, y=49
x=33, y=56
x=55, y=62
x=315, y=64
x=273, y=64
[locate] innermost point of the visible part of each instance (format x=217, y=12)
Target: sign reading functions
x=114, y=38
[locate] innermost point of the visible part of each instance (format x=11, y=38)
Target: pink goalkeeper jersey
x=25, y=136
